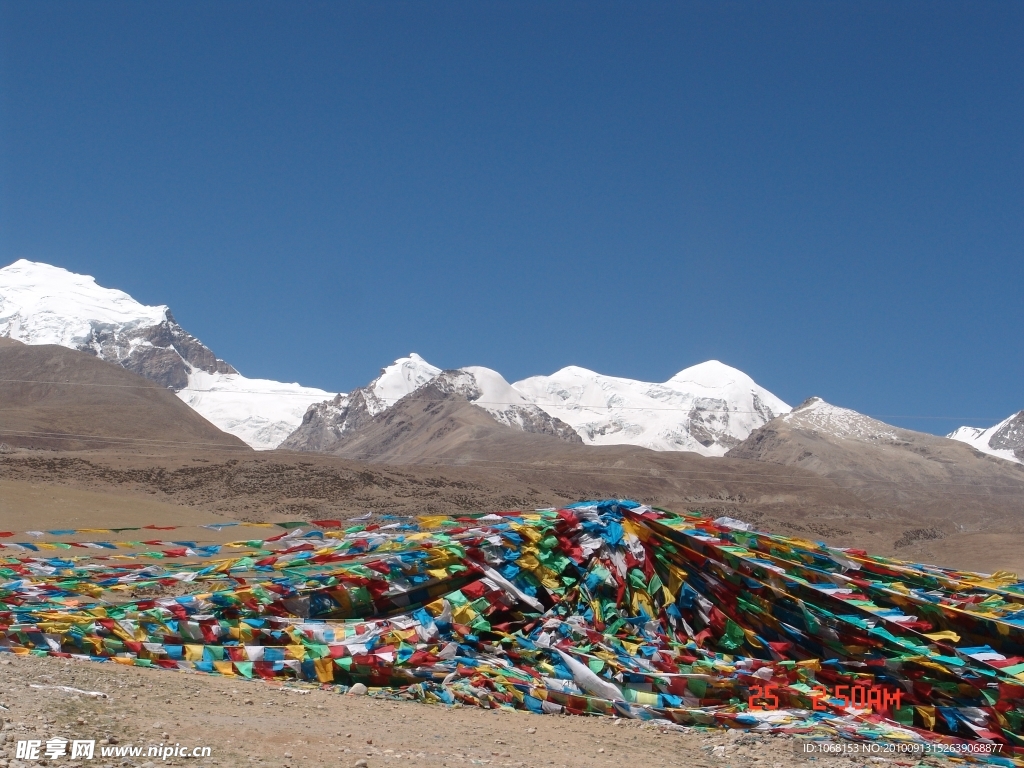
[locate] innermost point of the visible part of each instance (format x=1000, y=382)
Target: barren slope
x=280, y=485
x=953, y=487
x=54, y=397
x=433, y=424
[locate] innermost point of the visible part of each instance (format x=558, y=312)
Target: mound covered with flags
x=609, y=608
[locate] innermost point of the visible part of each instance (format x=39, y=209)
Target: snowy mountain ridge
x=43, y=304
x=1005, y=440
x=707, y=408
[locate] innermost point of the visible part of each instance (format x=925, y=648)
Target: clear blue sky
x=829, y=196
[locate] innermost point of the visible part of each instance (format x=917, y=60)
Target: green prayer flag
x=698, y=686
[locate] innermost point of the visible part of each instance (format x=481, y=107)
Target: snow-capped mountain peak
x=495, y=392
x=397, y=380
x=707, y=408
x=43, y=304
x=817, y=415
x=488, y=389
x=966, y=434
x=711, y=374
x=1005, y=440
x=326, y=424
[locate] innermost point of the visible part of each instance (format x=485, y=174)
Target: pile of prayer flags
x=608, y=608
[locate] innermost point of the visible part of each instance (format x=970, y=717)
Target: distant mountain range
x=710, y=408
x=706, y=409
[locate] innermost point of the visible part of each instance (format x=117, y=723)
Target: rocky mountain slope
x=439, y=420
x=42, y=304
x=1005, y=439
x=955, y=487
x=328, y=426
x=57, y=398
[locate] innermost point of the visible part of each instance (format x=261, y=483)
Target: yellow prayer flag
x=945, y=635
x=324, y=669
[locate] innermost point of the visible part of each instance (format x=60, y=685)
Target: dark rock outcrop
x=1010, y=436
x=164, y=353
x=330, y=426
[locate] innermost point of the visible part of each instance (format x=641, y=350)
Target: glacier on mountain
x=43, y=304
x=405, y=375
x=261, y=412
x=707, y=408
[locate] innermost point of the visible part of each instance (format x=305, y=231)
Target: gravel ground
x=257, y=723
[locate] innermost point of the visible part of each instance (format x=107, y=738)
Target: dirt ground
x=52, y=489
x=257, y=723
